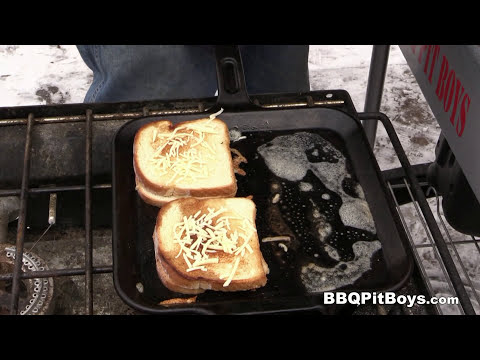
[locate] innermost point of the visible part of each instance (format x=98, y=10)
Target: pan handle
x=232, y=91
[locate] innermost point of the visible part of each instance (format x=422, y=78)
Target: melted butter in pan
x=304, y=189
x=292, y=157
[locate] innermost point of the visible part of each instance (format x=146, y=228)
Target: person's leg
x=149, y=72
x=275, y=68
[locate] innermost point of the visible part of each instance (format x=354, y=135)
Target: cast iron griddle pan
x=315, y=183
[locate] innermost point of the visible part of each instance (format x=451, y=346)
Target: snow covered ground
x=47, y=74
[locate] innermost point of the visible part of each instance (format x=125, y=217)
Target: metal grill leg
x=376, y=79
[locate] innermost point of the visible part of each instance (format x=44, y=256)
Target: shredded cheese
x=178, y=152
x=230, y=277
x=213, y=116
x=276, y=238
x=283, y=246
x=201, y=236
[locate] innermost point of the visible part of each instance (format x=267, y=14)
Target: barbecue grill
x=58, y=155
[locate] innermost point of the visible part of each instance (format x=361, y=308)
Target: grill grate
x=459, y=259
x=63, y=114
x=88, y=270
x=425, y=214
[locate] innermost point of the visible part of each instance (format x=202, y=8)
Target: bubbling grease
x=286, y=156
x=290, y=157
x=325, y=196
x=304, y=186
x=318, y=279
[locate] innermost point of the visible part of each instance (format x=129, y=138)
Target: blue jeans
x=161, y=72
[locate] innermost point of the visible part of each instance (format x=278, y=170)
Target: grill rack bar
x=88, y=270
x=59, y=272
x=22, y=218
x=474, y=241
x=88, y=215
x=52, y=189
x=97, y=117
x=146, y=111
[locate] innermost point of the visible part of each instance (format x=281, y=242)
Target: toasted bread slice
x=174, y=282
x=152, y=198
x=192, y=158
x=240, y=267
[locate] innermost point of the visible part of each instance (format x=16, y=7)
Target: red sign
x=449, y=88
